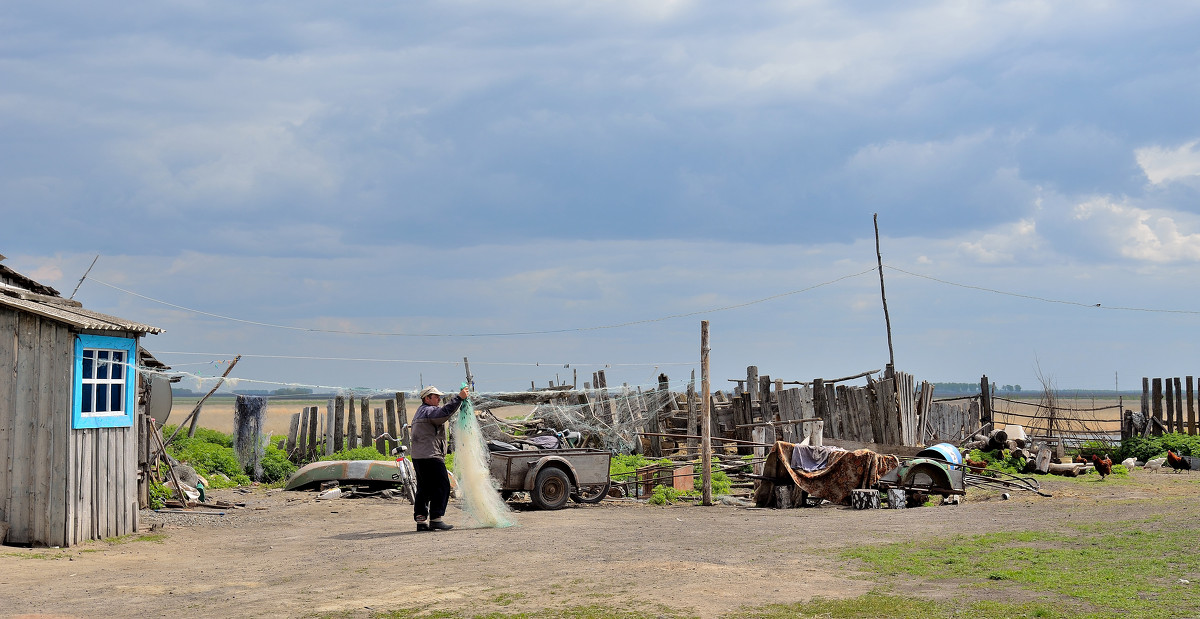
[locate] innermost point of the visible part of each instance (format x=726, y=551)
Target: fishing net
x=479, y=497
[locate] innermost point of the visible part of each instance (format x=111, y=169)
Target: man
x=429, y=457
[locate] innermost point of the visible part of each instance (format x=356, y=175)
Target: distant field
x=218, y=411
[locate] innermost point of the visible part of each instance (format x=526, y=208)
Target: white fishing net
x=478, y=495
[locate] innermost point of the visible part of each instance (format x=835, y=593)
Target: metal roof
x=76, y=316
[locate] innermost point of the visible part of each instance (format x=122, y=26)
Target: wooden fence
x=312, y=434
x=1169, y=418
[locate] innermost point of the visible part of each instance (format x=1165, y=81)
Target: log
x=864, y=499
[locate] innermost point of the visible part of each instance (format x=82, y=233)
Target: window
x=104, y=382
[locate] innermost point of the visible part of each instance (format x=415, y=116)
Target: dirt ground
x=287, y=554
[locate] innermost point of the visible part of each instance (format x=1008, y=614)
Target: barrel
x=942, y=451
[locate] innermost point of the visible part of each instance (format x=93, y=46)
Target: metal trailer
x=551, y=476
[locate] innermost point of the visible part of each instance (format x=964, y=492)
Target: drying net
x=480, y=500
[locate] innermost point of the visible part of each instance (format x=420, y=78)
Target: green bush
x=369, y=453
x=275, y=465
x=159, y=495
x=999, y=460
x=209, y=460
x=1150, y=447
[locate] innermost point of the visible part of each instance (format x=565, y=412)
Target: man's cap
x=430, y=390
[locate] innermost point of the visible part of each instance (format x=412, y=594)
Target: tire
x=551, y=488
x=591, y=494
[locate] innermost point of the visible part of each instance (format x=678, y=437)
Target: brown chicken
x=1078, y=459
x=1103, y=467
x=976, y=466
x=1179, y=463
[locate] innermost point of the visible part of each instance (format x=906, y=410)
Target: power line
x=1044, y=299
x=495, y=334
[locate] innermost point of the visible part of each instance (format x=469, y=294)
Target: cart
x=551, y=476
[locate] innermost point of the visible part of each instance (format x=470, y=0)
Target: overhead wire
x=487, y=334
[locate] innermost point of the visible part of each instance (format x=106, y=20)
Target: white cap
x=430, y=390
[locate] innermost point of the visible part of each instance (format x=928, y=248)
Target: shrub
x=369, y=453
x=275, y=465
x=159, y=495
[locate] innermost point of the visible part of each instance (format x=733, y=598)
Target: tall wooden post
x=1178, y=406
x=985, y=402
x=1191, y=409
x=389, y=407
x=402, y=419
x=312, y=431
x=1169, y=409
x=693, y=416
x=339, y=423
x=1156, y=403
x=705, y=420
x=886, y=319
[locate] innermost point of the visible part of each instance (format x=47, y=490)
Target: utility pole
x=705, y=420
x=886, y=319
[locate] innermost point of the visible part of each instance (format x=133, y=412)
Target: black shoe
x=422, y=526
x=438, y=525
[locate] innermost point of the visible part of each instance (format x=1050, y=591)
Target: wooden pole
x=886, y=318
x=705, y=420
x=693, y=415
x=1156, y=402
x=1191, y=409
x=195, y=414
x=470, y=379
x=1178, y=406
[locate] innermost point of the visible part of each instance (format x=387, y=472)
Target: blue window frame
x=105, y=382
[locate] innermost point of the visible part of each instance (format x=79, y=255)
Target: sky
x=360, y=195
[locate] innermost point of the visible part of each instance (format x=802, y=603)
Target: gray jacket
x=429, y=429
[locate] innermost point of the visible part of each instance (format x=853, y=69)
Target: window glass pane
x=88, y=355
x=117, y=367
x=102, y=366
x=115, y=403
x=86, y=405
x=101, y=398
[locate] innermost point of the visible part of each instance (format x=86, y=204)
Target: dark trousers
x=433, y=488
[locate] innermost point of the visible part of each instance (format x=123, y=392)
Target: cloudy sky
x=534, y=185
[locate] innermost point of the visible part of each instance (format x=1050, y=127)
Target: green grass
x=1129, y=569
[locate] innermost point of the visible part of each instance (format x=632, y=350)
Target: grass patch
x=137, y=537
x=1122, y=568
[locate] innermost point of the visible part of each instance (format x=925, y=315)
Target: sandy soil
x=287, y=554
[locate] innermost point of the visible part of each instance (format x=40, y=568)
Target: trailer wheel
x=551, y=488
x=591, y=494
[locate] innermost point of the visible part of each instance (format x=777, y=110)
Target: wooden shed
x=68, y=412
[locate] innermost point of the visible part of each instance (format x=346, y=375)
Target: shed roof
x=15, y=279
x=65, y=311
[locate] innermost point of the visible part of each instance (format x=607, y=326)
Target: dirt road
x=287, y=554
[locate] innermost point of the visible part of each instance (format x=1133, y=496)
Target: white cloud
x=1006, y=244
x=1164, y=165
x=1140, y=234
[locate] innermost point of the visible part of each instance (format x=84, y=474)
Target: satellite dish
x=161, y=399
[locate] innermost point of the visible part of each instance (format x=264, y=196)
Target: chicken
x=1078, y=459
x=1129, y=463
x=1179, y=463
x=1155, y=464
x=976, y=466
x=1103, y=467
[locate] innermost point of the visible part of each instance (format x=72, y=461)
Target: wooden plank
x=339, y=424
x=763, y=412
x=302, y=444
x=1191, y=413
x=293, y=431
x=821, y=407
x=389, y=411
x=1169, y=410
x=693, y=415
x=60, y=369
x=8, y=406
x=364, y=427
x=20, y=516
x=889, y=411
x=1178, y=406
x=402, y=419
x=351, y=425
x=1156, y=403
x=381, y=444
